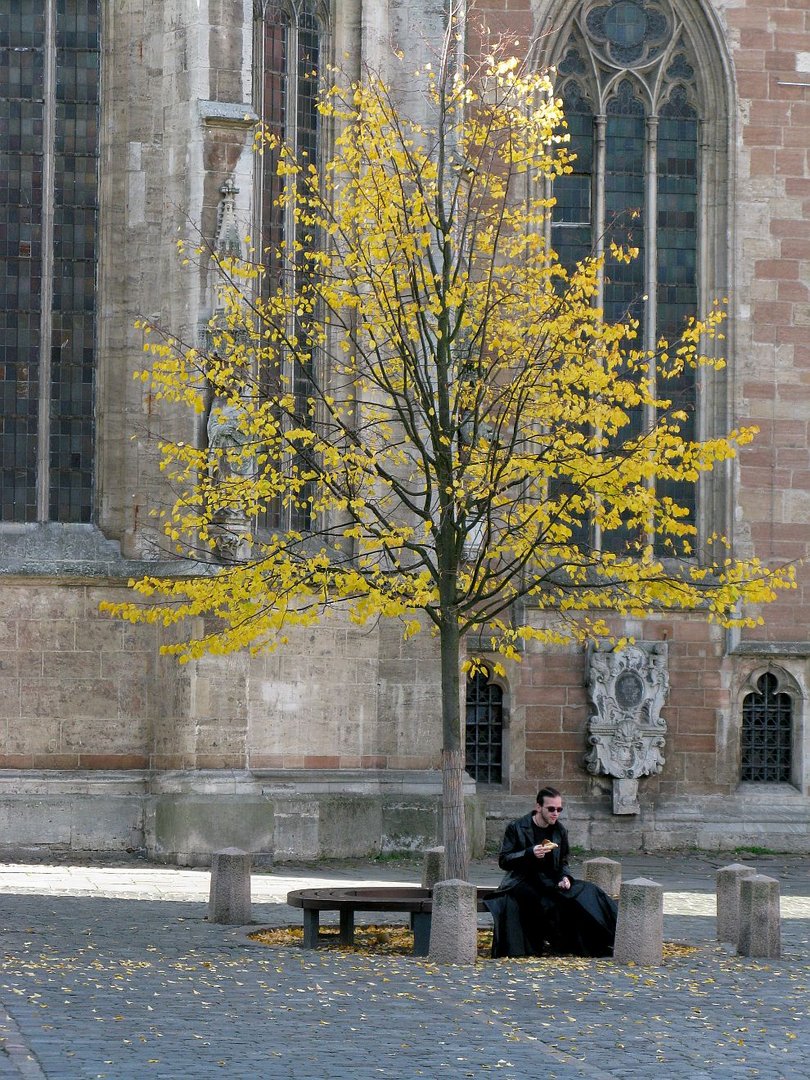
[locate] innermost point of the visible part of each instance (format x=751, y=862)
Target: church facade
x=128, y=126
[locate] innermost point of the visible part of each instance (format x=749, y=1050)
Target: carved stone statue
x=229, y=461
x=627, y=689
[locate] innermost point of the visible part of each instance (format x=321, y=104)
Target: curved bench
x=417, y=902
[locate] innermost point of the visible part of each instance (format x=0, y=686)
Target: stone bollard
x=728, y=900
x=229, y=898
x=640, y=929
x=606, y=873
x=433, y=867
x=454, y=923
x=760, y=927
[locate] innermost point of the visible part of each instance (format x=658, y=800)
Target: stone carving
x=626, y=732
x=230, y=459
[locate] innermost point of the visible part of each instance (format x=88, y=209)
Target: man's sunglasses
x=553, y=809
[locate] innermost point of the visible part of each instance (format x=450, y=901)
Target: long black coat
x=531, y=913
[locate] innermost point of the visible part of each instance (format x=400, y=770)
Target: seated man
x=539, y=906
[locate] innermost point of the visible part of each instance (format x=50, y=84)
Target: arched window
x=767, y=733
x=484, y=729
x=289, y=47
x=646, y=105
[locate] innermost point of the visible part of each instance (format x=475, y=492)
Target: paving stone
x=128, y=989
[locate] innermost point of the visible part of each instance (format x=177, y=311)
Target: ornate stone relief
x=626, y=732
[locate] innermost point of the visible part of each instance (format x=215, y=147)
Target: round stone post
x=729, y=879
x=760, y=927
x=606, y=873
x=229, y=898
x=454, y=923
x=640, y=929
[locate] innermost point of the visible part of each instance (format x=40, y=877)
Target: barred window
x=484, y=729
x=49, y=101
x=767, y=733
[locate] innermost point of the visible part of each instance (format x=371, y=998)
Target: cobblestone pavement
x=113, y=972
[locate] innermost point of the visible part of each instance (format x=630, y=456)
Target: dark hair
x=547, y=793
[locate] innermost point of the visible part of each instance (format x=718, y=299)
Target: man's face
x=549, y=810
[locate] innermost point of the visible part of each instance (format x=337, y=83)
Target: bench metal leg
x=346, y=927
x=311, y=920
x=420, y=921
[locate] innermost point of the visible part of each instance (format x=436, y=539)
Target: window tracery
x=632, y=77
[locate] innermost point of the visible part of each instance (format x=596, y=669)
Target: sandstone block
x=606, y=873
x=729, y=879
x=433, y=867
x=454, y=925
x=229, y=898
x=760, y=928
x=640, y=929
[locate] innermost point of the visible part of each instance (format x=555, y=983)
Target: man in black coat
x=540, y=906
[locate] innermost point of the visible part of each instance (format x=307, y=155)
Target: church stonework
x=331, y=746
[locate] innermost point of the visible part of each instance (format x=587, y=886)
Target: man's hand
x=565, y=883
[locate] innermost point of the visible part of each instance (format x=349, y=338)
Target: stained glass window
x=291, y=63
x=627, y=78
x=49, y=86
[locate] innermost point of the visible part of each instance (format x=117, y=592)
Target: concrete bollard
x=454, y=923
x=760, y=926
x=433, y=867
x=606, y=873
x=728, y=900
x=229, y=898
x=640, y=928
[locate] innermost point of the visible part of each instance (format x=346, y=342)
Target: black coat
x=531, y=913
x=517, y=856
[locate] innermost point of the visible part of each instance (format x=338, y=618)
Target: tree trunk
x=455, y=826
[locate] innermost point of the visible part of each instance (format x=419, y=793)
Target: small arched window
x=484, y=729
x=767, y=733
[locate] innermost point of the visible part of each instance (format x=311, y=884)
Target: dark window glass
x=289, y=89
x=571, y=229
x=767, y=733
x=72, y=255
x=677, y=270
x=484, y=730
x=22, y=58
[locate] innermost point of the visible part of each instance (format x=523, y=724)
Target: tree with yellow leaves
x=425, y=416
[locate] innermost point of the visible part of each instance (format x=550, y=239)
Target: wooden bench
x=417, y=902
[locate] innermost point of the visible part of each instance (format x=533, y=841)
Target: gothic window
x=484, y=729
x=49, y=99
x=640, y=110
x=289, y=46
x=767, y=733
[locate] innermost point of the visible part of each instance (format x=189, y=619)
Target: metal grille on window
x=484, y=742
x=767, y=733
